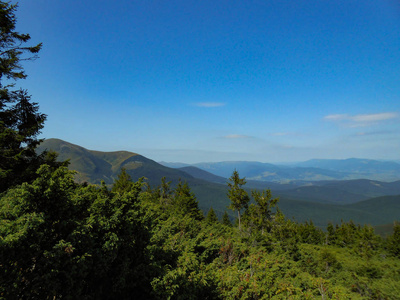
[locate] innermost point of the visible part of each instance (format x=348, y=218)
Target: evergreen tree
x=20, y=121
x=225, y=219
x=238, y=196
x=211, y=217
x=62, y=240
x=11, y=49
x=185, y=201
x=123, y=182
x=165, y=192
x=260, y=213
x=393, y=244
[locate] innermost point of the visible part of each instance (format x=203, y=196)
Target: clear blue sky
x=195, y=81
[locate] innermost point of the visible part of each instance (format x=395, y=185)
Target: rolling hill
x=201, y=174
x=374, y=211
x=358, y=168
x=332, y=191
x=94, y=166
x=301, y=200
x=313, y=170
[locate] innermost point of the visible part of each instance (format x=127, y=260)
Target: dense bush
x=64, y=240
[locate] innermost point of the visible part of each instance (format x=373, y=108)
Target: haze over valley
x=369, y=195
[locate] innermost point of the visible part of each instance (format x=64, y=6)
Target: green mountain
x=323, y=194
x=94, y=166
x=333, y=191
x=301, y=203
x=269, y=172
x=358, y=168
x=342, y=191
x=201, y=174
x=374, y=211
x=313, y=170
x=370, y=188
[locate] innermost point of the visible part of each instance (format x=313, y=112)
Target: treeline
x=60, y=239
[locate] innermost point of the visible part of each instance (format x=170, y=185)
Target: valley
x=364, y=201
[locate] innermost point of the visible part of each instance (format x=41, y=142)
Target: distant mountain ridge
x=353, y=165
x=312, y=170
x=300, y=199
x=333, y=191
x=201, y=174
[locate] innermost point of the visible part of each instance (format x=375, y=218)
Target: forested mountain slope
x=375, y=211
x=354, y=165
x=314, y=170
x=94, y=166
x=314, y=201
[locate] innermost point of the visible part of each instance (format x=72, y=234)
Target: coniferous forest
x=60, y=239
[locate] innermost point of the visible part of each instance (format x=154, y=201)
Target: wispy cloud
x=382, y=132
x=281, y=133
x=237, y=136
x=209, y=104
x=288, y=133
x=361, y=120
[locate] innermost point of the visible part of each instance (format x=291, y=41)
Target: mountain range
x=362, y=200
x=312, y=170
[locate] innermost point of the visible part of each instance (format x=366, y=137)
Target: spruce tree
x=20, y=121
x=261, y=213
x=225, y=220
x=185, y=201
x=211, y=217
x=238, y=196
x=123, y=183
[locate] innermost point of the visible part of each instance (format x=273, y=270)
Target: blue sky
x=194, y=81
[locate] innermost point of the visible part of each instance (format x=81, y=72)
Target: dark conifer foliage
x=185, y=201
x=393, y=244
x=12, y=48
x=225, y=219
x=20, y=120
x=123, y=183
x=211, y=216
x=237, y=194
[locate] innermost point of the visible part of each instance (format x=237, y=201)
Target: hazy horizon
x=209, y=157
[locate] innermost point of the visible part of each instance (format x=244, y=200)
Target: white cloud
x=361, y=120
x=237, y=136
x=291, y=134
x=209, y=104
x=336, y=117
x=382, y=132
x=375, y=117
x=280, y=133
